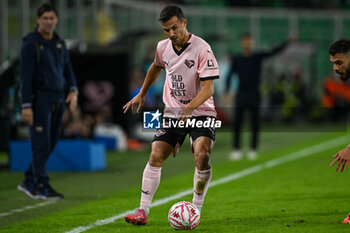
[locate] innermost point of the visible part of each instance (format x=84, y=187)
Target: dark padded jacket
x=45, y=68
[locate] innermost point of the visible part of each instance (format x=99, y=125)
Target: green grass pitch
x=302, y=195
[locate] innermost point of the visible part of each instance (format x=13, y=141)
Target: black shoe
x=46, y=192
x=28, y=189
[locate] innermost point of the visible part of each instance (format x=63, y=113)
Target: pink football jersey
x=185, y=69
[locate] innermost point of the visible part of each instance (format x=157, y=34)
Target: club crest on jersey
x=189, y=63
x=160, y=132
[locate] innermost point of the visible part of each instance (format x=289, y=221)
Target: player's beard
x=346, y=75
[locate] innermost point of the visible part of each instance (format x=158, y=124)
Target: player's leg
x=202, y=147
x=236, y=154
x=150, y=181
x=40, y=143
x=238, y=119
x=45, y=190
x=252, y=153
x=152, y=172
x=202, y=144
x=58, y=109
x=255, y=120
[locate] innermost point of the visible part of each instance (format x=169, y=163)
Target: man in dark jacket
x=47, y=84
x=248, y=68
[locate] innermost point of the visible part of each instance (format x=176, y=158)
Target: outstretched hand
x=138, y=100
x=343, y=159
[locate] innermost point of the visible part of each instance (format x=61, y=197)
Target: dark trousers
x=44, y=134
x=246, y=100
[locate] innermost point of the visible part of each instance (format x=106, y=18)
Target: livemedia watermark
x=154, y=120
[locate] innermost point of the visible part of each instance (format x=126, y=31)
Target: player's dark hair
x=340, y=46
x=246, y=35
x=45, y=8
x=169, y=11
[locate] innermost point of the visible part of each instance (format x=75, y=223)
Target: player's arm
x=72, y=97
x=279, y=48
x=343, y=159
x=151, y=76
x=27, y=68
x=205, y=93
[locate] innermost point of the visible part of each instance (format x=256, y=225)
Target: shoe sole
x=40, y=197
x=235, y=158
x=135, y=222
x=25, y=191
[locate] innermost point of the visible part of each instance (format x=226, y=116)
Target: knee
x=156, y=159
x=203, y=159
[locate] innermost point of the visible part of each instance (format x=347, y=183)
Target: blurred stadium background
x=112, y=44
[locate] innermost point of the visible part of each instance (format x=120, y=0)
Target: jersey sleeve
x=207, y=66
x=158, y=61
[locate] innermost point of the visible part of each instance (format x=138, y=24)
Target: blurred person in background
x=47, y=85
x=340, y=57
x=247, y=66
x=159, y=83
x=191, y=68
x=336, y=98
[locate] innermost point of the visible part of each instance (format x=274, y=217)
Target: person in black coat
x=247, y=66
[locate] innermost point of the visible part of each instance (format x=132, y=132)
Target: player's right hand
x=342, y=158
x=138, y=100
x=27, y=116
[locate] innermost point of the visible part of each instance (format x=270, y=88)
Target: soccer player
x=340, y=57
x=47, y=85
x=191, y=68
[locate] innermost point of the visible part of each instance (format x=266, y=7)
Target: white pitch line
x=29, y=207
x=269, y=164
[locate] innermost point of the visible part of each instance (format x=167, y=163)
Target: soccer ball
x=184, y=215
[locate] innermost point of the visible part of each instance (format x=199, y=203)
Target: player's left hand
x=72, y=100
x=184, y=114
x=343, y=159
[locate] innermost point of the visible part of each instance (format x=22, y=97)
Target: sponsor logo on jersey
x=210, y=63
